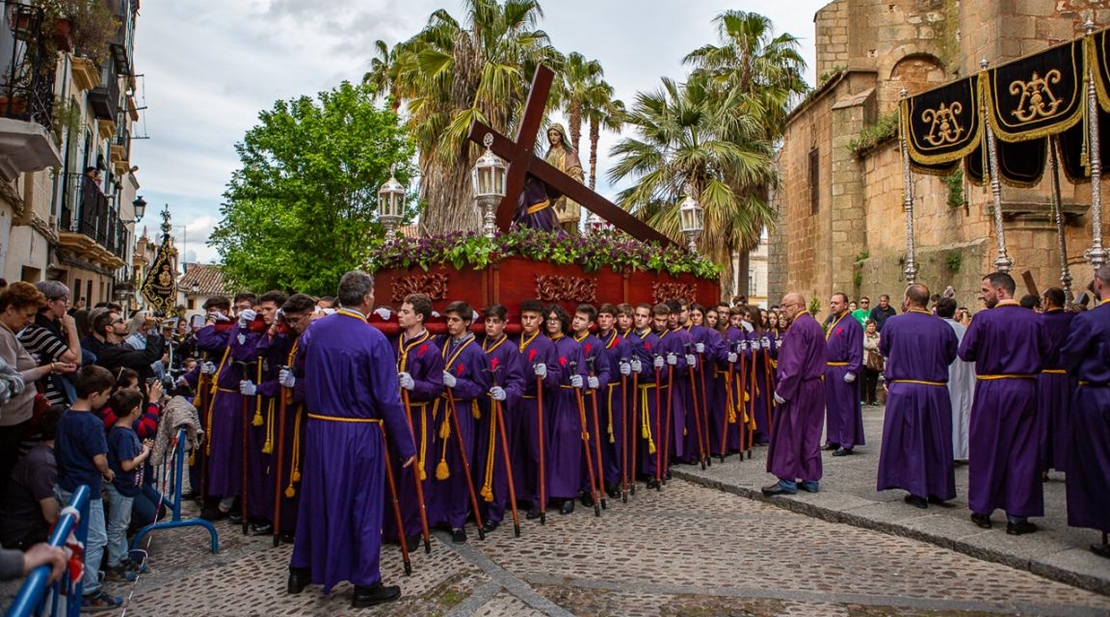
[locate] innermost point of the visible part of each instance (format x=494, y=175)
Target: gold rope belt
x=534, y=208
x=919, y=382
x=1004, y=376
x=1089, y=384
x=342, y=419
x=231, y=391
x=836, y=364
x=1054, y=371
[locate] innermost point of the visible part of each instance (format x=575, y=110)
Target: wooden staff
x=624, y=437
x=244, y=457
x=634, y=455
x=396, y=504
x=658, y=433
x=729, y=401
x=769, y=395
x=597, y=441
x=499, y=417
x=465, y=461
x=697, y=412
x=586, y=447
x=751, y=406
x=280, y=463
x=419, y=483
x=539, y=430
x=669, y=426
x=705, y=414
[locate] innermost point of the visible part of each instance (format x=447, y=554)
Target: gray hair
x=1103, y=273
x=353, y=287
x=53, y=290
x=137, y=320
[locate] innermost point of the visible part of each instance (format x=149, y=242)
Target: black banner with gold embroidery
x=1099, y=54
x=943, y=125
x=1020, y=164
x=160, y=286
x=1074, y=159
x=1038, y=95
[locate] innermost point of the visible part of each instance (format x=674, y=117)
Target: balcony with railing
x=90, y=225
x=27, y=71
x=121, y=150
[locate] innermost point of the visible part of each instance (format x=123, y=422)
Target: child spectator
x=28, y=508
x=125, y=457
x=81, y=451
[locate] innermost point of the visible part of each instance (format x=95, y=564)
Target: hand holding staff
x=419, y=483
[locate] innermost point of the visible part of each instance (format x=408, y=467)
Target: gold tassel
x=268, y=447
x=442, y=470
x=487, y=485
x=295, y=476
x=645, y=429
x=257, y=420
x=475, y=410
x=423, y=443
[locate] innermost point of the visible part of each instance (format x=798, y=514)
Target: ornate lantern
x=391, y=202
x=488, y=180
x=691, y=219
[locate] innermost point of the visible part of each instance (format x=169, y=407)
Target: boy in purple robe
x=616, y=402
x=465, y=380
x=664, y=362
x=1007, y=344
x=420, y=375
x=352, y=397
x=1054, y=387
x=507, y=387
x=917, y=435
x=1086, y=355
x=565, y=447
x=641, y=425
x=845, y=360
x=795, y=450
x=541, y=370
x=682, y=402
x=598, y=377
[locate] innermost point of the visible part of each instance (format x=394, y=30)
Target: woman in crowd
x=872, y=364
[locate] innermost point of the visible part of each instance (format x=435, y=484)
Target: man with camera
x=107, y=342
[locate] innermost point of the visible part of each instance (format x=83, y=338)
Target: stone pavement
x=848, y=495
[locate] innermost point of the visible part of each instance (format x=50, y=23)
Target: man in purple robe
x=642, y=424
x=598, y=376
x=565, y=447
x=541, y=370
x=917, y=434
x=352, y=397
x=845, y=360
x=1086, y=355
x=616, y=402
x=1007, y=344
x=420, y=375
x=795, y=450
x=1054, y=387
x=682, y=410
x=507, y=387
x=465, y=380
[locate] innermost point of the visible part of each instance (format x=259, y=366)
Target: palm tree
x=684, y=137
x=382, y=75
x=453, y=72
x=601, y=110
x=579, y=75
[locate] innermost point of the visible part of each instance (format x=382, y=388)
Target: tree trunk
x=575, y=124
x=595, y=133
x=447, y=192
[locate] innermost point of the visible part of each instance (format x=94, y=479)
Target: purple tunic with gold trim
x=845, y=355
x=506, y=371
x=534, y=349
x=795, y=449
x=1054, y=390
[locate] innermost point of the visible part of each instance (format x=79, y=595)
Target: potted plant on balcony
x=83, y=27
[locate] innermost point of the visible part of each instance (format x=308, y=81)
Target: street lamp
x=140, y=209
x=488, y=181
x=691, y=219
x=391, y=202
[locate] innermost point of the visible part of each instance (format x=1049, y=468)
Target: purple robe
x=351, y=390
x=534, y=350
x=283, y=350
x=1054, y=390
x=594, y=355
x=721, y=418
x=273, y=353
x=420, y=357
x=845, y=355
x=1086, y=355
x=449, y=498
x=1007, y=344
x=533, y=208
x=506, y=371
x=795, y=449
x=564, y=427
x=225, y=437
x=679, y=341
x=615, y=406
x=917, y=433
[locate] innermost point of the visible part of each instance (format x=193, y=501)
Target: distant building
x=199, y=283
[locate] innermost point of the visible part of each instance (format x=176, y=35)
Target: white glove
x=247, y=388
x=657, y=362
x=449, y=379
x=286, y=378
x=497, y=393
x=329, y=311
x=207, y=368
x=636, y=365
x=625, y=368
x=778, y=344
x=405, y=381
x=691, y=360
x=755, y=345
x=593, y=382
x=672, y=359
x=732, y=357
x=576, y=380
x=540, y=370
x=699, y=347
x=747, y=326
x=743, y=345
x=247, y=316
x=218, y=316
x=849, y=377
x=778, y=399
x=765, y=343
x=383, y=313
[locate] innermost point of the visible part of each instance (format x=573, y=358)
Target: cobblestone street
x=687, y=550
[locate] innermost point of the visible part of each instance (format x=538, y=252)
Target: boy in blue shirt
x=125, y=457
x=82, y=456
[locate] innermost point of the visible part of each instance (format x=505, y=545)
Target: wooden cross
x=522, y=160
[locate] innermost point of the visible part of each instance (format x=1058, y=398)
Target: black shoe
x=533, y=514
x=374, y=594
x=588, y=499
x=213, y=514
x=613, y=490
x=458, y=536
x=1020, y=528
x=235, y=517
x=489, y=526
x=1102, y=550
x=777, y=489
x=652, y=483
x=933, y=499
x=287, y=538
x=262, y=529
x=982, y=520
x=567, y=507
x=915, y=501
x=299, y=578
x=832, y=446
x=843, y=452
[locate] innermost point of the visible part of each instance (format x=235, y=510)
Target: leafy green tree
x=302, y=208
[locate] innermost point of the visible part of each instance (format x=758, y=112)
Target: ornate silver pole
x=1065, y=273
x=1096, y=255
x=1002, y=263
x=907, y=191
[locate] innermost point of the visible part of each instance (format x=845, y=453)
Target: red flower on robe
x=562, y=360
x=588, y=347
x=423, y=348
x=647, y=346
x=494, y=363
x=459, y=369
x=531, y=355
x=839, y=330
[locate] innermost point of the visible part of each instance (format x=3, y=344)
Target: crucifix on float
x=522, y=160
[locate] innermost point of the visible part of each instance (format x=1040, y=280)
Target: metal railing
x=27, y=75
x=86, y=210
x=63, y=597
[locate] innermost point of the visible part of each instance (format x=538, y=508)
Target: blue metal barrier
x=174, y=504
x=64, y=595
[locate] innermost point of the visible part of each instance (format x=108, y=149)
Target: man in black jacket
x=106, y=341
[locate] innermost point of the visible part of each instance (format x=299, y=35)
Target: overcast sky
x=210, y=67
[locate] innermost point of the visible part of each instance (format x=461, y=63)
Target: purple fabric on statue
x=1007, y=344
x=419, y=357
x=349, y=376
x=449, y=499
x=1054, y=391
x=564, y=428
x=534, y=350
x=506, y=371
x=1086, y=355
x=917, y=433
x=592, y=347
x=845, y=355
x=614, y=417
x=795, y=449
x=533, y=208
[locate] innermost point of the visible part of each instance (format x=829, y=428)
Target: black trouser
x=870, y=384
